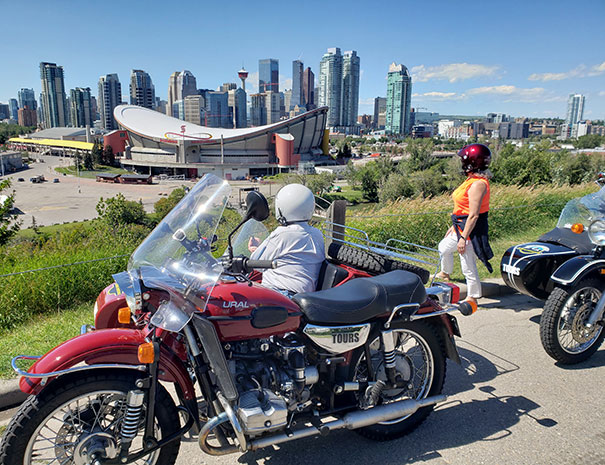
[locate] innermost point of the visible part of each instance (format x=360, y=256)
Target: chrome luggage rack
x=393, y=248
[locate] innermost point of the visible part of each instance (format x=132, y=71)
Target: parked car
x=21, y=180
x=56, y=180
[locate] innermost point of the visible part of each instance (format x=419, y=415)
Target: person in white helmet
x=298, y=246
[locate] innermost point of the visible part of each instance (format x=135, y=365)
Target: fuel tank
x=243, y=311
x=528, y=267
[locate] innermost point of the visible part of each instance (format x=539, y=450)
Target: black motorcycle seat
x=564, y=236
x=361, y=299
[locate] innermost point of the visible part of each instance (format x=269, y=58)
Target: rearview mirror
x=257, y=206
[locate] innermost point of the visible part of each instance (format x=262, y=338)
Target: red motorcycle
x=367, y=355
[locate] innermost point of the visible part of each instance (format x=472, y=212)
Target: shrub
x=163, y=206
x=117, y=211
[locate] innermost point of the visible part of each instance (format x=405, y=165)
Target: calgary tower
x=243, y=74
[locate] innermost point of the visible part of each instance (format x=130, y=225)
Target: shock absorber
x=130, y=423
x=389, y=355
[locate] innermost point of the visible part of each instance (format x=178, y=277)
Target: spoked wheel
x=80, y=422
x=420, y=361
x=563, y=330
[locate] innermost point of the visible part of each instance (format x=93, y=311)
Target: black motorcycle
x=566, y=267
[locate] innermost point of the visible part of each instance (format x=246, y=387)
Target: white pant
x=468, y=261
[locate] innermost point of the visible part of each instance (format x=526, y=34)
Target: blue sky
x=471, y=57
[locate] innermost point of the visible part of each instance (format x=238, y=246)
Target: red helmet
x=475, y=157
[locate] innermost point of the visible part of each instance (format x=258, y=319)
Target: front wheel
x=563, y=332
x=69, y=422
x=420, y=361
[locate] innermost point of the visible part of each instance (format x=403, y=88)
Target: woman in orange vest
x=469, y=231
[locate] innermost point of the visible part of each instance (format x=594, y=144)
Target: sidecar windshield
x=583, y=210
x=252, y=233
x=176, y=255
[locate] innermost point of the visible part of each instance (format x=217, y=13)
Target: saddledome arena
x=161, y=144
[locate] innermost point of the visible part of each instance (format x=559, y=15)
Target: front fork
x=597, y=312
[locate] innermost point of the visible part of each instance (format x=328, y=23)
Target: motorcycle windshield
x=250, y=236
x=177, y=256
x=583, y=210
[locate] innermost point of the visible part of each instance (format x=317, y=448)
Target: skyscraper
x=237, y=105
x=575, y=109
x=181, y=84
x=308, y=93
x=81, y=107
x=194, y=107
x=110, y=96
x=399, y=95
x=172, y=92
x=13, y=108
x=350, y=89
x=268, y=75
x=217, y=110
x=142, y=92
x=330, y=84
x=258, y=109
x=297, y=84
x=53, y=95
x=380, y=108
x=272, y=105
x=27, y=98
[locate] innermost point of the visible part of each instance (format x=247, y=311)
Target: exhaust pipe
x=353, y=420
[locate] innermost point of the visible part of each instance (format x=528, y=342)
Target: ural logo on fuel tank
x=234, y=304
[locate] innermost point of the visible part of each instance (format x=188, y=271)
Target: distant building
x=142, y=91
x=180, y=85
x=445, y=125
x=380, y=113
x=424, y=117
x=350, y=88
x=308, y=89
x=193, y=106
x=507, y=130
x=4, y=111
x=81, y=107
x=110, y=96
x=272, y=105
x=268, y=75
x=581, y=128
x=365, y=120
x=297, y=85
x=287, y=101
x=13, y=107
x=399, y=96
x=237, y=107
x=217, y=110
x=420, y=131
x=330, y=84
x=27, y=98
x=258, y=109
x=27, y=117
x=227, y=86
x=53, y=95
x=575, y=109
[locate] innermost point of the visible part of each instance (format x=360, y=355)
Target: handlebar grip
x=250, y=264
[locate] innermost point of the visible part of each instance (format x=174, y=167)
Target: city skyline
x=492, y=66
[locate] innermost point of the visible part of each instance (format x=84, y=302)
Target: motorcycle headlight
x=596, y=232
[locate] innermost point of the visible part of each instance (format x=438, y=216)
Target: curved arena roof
x=162, y=128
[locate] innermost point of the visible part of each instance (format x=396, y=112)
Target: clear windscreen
x=251, y=234
x=177, y=254
x=583, y=210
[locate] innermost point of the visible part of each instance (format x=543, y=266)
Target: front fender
x=106, y=346
x=572, y=271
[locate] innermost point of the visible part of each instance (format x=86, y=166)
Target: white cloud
x=285, y=83
x=578, y=72
x=452, y=72
x=252, y=83
x=441, y=96
x=602, y=93
x=511, y=93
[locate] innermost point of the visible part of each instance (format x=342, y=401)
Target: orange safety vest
x=460, y=196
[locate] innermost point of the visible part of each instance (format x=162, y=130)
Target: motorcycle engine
x=272, y=378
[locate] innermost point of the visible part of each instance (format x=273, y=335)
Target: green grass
x=40, y=334
x=51, y=230
x=71, y=170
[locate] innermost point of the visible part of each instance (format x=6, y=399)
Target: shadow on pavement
x=597, y=360
x=452, y=425
x=514, y=302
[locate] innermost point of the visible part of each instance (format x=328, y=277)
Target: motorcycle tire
x=372, y=262
x=551, y=324
x=427, y=337
x=43, y=408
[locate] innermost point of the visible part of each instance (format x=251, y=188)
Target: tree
x=421, y=154
x=589, y=141
x=320, y=183
x=88, y=161
x=9, y=224
x=108, y=157
x=163, y=206
x=97, y=153
x=117, y=211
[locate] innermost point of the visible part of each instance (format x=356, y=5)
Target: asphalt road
x=508, y=404
x=75, y=199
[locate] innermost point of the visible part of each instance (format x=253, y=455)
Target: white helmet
x=293, y=203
